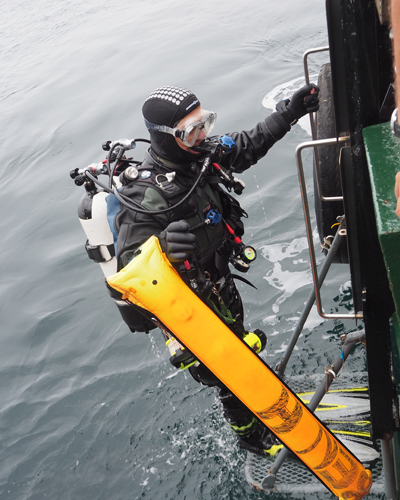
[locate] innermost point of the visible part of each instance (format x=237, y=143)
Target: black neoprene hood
x=167, y=106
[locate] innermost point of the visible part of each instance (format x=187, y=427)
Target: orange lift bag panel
x=151, y=282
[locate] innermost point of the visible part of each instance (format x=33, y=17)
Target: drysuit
x=163, y=179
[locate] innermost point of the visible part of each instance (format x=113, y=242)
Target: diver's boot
x=255, y=437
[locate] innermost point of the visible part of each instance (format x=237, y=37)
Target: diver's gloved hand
x=305, y=100
x=176, y=241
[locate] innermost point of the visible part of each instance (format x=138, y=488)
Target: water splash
x=284, y=276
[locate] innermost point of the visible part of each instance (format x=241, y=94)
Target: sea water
x=89, y=410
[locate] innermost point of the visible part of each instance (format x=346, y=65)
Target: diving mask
x=191, y=132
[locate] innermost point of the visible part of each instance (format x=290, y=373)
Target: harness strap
x=221, y=264
x=96, y=252
x=202, y=194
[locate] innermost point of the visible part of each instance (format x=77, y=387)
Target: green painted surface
x=383, y=154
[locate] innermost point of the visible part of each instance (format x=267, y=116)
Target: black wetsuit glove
x=305, y=100
x=176, y=241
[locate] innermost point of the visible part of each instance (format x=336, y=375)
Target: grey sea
x=89, y=410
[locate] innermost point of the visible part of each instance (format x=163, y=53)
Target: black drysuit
x=154, y=190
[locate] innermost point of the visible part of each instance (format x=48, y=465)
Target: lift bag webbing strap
x=151, y=282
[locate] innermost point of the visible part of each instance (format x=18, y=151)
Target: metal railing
x=306, y=210
x=315, y=144
x=351, y=339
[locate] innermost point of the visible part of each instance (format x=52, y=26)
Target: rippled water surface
x=89, y=410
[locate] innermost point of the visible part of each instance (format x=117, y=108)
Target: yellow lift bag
x=151, y=282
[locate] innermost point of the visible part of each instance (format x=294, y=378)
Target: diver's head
x=176, y=123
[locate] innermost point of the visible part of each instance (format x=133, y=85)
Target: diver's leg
x=252, y=435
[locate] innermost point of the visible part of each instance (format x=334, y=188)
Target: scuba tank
x=92, y=209
x=92, y=213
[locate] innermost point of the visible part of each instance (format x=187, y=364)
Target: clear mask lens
x=191, y=133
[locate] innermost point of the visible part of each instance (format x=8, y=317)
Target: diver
x=197, y=221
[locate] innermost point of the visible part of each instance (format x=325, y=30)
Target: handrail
x=299, y=161
x=305, y=59
x=313, y=128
